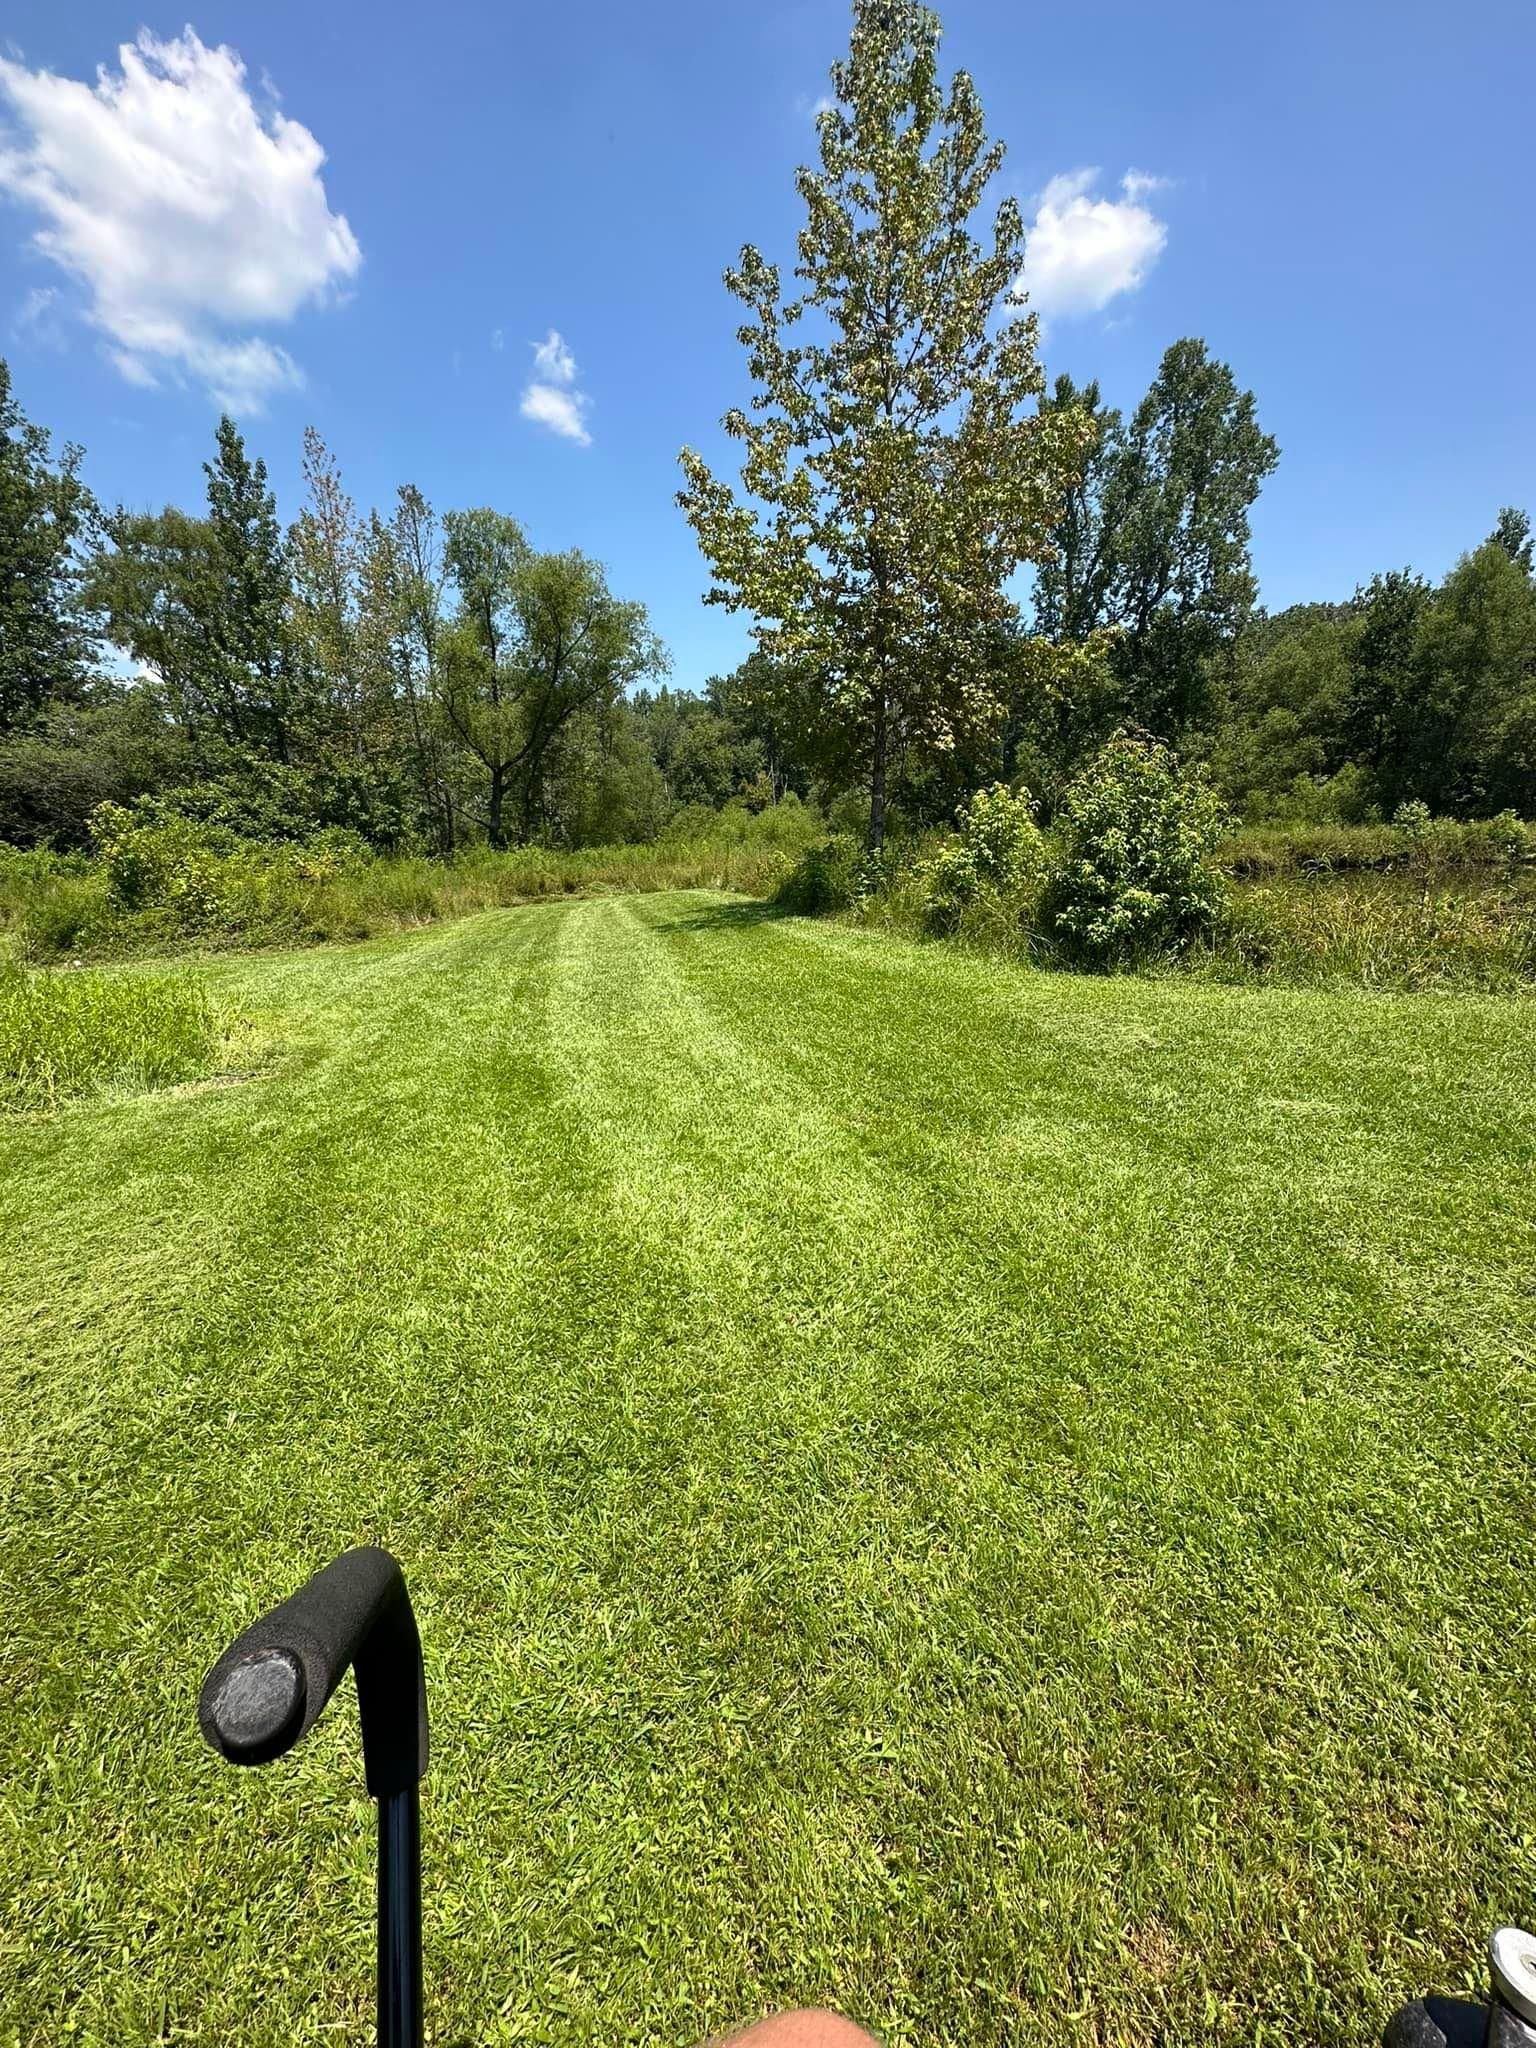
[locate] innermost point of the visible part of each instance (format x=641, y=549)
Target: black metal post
x=400, y=2018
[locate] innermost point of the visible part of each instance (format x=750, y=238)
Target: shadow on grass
x=732, y=915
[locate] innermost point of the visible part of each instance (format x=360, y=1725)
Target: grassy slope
x=959, y=1493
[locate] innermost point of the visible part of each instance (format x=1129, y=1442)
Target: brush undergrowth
x=175, y=887
x=1425, y=904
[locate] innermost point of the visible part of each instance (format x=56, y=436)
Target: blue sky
x=1344, y=215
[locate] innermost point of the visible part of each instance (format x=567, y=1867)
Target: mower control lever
x=272, y=1683
x=270, y=1687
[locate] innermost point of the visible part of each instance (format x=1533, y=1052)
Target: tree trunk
x=877, y=774
x=497, y=834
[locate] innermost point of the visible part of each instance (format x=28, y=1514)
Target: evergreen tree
x=44, y=507
x=248, y=626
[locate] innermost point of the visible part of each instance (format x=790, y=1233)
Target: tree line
x=433, y=680
x=416, y=678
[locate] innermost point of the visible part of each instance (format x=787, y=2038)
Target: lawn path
x=997, y=1500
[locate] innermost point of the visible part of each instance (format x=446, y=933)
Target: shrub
x=787, y=827
x=997, y=860
x=258, y=799
x=64, y=1033
x=1503, y=839
x=50, y=899
x=1133, y=876
x=825, y=878
x=63, y=915
x=156, y=858
x=329, y=856
x=1412, y=817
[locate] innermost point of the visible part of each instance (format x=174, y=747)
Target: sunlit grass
x=66, y=1034
x=996, y=1500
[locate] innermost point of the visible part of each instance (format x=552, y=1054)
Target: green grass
x=68, y=1034
x=999, y=1501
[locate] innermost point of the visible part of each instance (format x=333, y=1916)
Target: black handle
x=271, y=1685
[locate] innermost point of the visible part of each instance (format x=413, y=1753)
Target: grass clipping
x=70, y=1033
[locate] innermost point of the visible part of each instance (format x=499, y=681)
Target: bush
x=825, y=878
x=154, y=857
x=65, y=915
x=64, y=1033
x=1133, y=876
x=788, y=826
x=996, y=861
x=1504, y=839
x=258, y=799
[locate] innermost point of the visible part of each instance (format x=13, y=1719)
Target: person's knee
x=810, y=2029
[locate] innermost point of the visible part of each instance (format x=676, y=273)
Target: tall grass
x=64, y=1034
x=1435, y=904
x=63, y=908
x=1398, y=929
x=1425, y=846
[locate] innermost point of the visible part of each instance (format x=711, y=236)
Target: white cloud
x=560, y=410
x=186, y=214
x=37, y=318
x=551, y=396
x=1082, y=251
x=553, y=361
x=498, y=340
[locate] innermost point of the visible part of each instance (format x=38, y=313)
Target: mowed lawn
x=999, y=1501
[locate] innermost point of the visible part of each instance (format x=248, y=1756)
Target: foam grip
x=271, y=1685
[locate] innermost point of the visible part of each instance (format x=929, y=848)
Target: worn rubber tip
x=258, y=1703
x=1512, y=1963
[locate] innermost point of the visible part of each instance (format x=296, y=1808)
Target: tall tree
x=1382, y=721
x=538, y=640
x=413, y=571
x=893, y=479
x=43, y=508
x=1075, y=584
x=1512, y=532
x=203, y=604
x=780, y=708
x=1475, y=708
x=250, y=618
x=324, y=558
x=1155, y=539
x=153, y=587
x=1285, y=732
